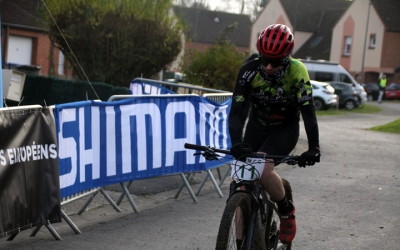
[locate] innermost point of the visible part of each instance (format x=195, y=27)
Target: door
x=19, y=50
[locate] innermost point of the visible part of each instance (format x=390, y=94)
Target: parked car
x=361, y=93
x=393, y=91
x=347, y=95
x=324, y=95
x=325, y=71
x=372, y=90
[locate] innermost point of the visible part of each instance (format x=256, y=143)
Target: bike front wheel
x=232, y=229
x=234, y=225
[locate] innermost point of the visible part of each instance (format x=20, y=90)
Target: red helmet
x=276, y=41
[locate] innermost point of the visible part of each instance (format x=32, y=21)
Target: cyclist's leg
x=280, y=142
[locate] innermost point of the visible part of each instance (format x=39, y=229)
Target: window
x=324, y=76
x=344, y=78
x=372, y=41
x=347, y=46
x=61, y=63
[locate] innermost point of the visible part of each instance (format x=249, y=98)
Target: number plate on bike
x=251, y=169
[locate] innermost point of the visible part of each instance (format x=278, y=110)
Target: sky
x=234, y=6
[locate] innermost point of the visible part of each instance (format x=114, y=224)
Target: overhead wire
x=70, y=49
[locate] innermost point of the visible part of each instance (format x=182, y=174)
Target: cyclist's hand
x=309, y=157
x=240, y=151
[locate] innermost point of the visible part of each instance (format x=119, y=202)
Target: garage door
x=19, y=50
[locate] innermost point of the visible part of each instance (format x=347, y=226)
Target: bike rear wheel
x=273, y=223
x=234, y=224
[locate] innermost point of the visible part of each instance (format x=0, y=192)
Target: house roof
x=22, y=13
x=318, y=17
x=205, y=26
x=388, y=11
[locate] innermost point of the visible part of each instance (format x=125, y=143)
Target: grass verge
x=364, y=109
x=391, y=127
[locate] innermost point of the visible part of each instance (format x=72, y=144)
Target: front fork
x=255, y=205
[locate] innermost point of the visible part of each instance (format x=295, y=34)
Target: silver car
x=324, y=95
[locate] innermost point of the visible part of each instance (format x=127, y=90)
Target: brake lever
x=290, y=161
x=209, y=155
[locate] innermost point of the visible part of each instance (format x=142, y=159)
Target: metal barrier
x=178, y=88
x=218, y=96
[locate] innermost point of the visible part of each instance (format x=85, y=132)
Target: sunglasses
x=274, y=62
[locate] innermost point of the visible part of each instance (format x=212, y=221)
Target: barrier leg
x=11, y=237
x=115, y=206
x=128, y=195
x=52, y=231
x=70, y=222
x=215, y=183
x=202, y=184
x=123, y=193
x=219, y=173
x=188, y=187
x=190, y=176
x=88, y=202
x=224, y=176
x=35, y=230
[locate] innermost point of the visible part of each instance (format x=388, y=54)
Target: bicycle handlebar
x=210, y=151
x=206, y=148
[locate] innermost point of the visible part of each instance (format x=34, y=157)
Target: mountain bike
x=250, y=219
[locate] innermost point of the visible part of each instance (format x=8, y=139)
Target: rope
x=72, y=52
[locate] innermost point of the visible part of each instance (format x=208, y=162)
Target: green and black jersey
x=274, y=100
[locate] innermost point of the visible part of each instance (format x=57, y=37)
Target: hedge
x=45, y=91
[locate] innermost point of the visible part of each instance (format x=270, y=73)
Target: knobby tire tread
x=243, y=201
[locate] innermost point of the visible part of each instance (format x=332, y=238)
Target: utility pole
x=365, y=44
x=1, y=72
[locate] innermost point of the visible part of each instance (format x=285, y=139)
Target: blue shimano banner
x=102, y=143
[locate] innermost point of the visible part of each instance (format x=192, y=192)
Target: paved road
x=348, y=201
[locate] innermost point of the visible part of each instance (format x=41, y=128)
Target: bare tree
x=246, y=7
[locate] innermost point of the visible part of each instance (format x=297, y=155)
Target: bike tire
x=272, y=222
x=238, y=206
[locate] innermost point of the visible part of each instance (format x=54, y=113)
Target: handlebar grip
x=195, y=147
x=205, y=148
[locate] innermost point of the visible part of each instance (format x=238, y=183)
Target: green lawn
x=365, y=109
x=391, y=127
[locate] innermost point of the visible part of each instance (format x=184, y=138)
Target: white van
x=324, y=71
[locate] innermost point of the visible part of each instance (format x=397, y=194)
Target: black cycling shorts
x=277, y=140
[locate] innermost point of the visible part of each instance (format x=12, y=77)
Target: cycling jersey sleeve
x=241, y=101
x=306, y=105
x=310, y=125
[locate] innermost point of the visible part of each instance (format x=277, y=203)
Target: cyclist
x=273, y=88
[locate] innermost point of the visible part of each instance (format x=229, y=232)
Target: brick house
x=203, y=28
x=311, y=21
x=372, y=47
x=335, y=30
x=25, y=44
